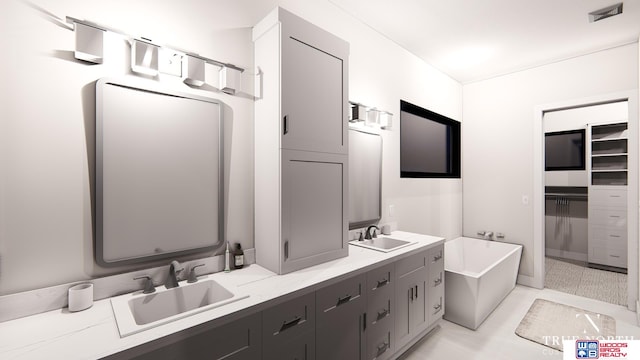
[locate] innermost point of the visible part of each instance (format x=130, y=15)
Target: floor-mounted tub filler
x=479, y=274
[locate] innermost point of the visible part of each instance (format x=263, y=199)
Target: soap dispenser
x=238, y=257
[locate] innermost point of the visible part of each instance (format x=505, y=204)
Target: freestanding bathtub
x=479, y=274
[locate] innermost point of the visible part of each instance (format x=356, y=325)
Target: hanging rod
x=565, y=195
x=72, y=20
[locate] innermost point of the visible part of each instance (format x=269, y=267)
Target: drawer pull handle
x=382, y=348
x=416, y=291
x=614, y=236
x=615, y=216
x=382, y=313
x=614, y=196
x=437, y=281
x=615, y=256
x=382, y=283
x=285, y=125
x=344, y=299
x=437, y=257
x=290, y=323
x=437, y=307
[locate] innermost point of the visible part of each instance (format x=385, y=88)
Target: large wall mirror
x=159, y=172
x=365, y=178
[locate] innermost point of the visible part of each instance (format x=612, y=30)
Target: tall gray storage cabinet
x=301, y=144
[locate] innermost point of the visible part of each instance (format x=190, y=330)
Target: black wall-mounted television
x=564, y=150
x=429, y=144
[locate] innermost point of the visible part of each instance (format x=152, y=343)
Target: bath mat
x=548, y=323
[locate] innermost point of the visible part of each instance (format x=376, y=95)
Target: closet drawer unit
x=608, y=256
x=608, y=237
x=411, y=263
x=330, y=298
x=611, y=218
x=608, y=197
x=379, y=343
x=283, y=322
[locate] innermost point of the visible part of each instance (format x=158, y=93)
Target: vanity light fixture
x=89, y=43
x=385, y=119
x=144, y=57
x=373, y=117
x=229, y=80
x=358, y=112
x=194, y=70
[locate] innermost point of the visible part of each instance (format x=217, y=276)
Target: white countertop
x=93, y=333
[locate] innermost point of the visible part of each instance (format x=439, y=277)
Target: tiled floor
x=579, y=280
x=496, y=339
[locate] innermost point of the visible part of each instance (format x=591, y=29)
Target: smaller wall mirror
x=365, y=178
x=159, y=172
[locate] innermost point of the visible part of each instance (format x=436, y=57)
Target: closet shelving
x=608, y=195
x=609, y=145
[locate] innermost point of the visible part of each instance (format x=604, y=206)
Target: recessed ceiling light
x=609, y=11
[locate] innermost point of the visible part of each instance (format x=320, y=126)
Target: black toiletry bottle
x=238, y=257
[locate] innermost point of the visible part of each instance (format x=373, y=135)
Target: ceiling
x=472, y=40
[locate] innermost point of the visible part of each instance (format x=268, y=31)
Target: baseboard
x=398, y=355
x=527, y=281
x=571, y=255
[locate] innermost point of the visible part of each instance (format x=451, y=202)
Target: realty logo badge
x=587, y=349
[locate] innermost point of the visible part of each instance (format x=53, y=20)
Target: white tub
x=479, y=274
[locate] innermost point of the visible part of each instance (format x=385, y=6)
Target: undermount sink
x=137, y=311
x=384, y=244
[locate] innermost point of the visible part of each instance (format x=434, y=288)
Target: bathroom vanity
x=359, y=299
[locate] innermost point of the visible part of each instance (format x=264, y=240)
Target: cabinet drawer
x=436, y=280
x=342, y=293
x=436, y=258
x=615, y=218
x=380, y=280
x=606, y=237
x=285, y=321
x=608, y=197
x=299, y=348
x=379, y=345
x=436, y=305
x=412, y=263
x=378, y=310
x=608, y=256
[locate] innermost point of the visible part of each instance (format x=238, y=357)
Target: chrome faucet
x=368, y=235
x=172, y=279
x=487, y=235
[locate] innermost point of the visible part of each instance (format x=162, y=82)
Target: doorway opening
x=585, y=221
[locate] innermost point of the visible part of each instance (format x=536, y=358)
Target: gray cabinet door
x=411, y=316
x=314, y=89
x=339, y=318
x=314, y=205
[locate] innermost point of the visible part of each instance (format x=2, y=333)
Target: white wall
x=497, y=154
x=47, y=115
